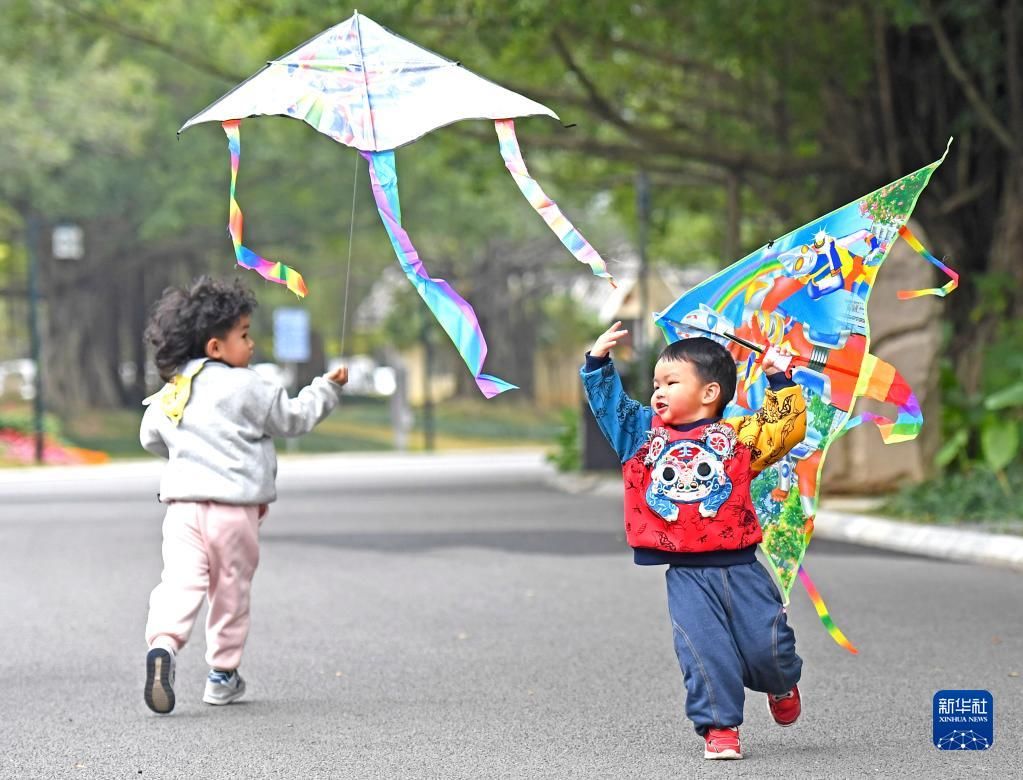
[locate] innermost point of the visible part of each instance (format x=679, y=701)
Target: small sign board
x=68, y=242
x=291, y=335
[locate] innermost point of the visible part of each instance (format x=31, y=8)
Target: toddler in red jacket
x=687, y=473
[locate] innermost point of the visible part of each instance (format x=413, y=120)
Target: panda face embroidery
x=689, y=472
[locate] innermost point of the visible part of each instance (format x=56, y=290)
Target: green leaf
x=1005, y=398
x=999, y=440
x=952, y=448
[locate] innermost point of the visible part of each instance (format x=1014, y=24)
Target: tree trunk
x=95, y=313
x=1008, y=236
x=505, y=289
x=988, y=315
x=137, y=391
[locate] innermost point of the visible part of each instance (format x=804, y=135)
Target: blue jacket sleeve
x=623, y=421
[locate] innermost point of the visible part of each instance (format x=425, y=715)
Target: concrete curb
x=954, y=544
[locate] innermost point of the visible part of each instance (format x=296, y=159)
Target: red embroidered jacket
x=687, y=488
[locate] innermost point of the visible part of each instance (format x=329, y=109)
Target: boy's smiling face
x=680, y=395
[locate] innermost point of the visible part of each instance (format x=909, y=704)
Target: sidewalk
x=845, y=520
x=387, y=470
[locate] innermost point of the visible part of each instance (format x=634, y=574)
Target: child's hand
x=608, y=339
x=776, y=360
x=339, y=375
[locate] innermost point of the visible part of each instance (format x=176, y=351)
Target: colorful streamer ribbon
x=544, y=206
x=879, y=380
x=822, y=612
x=942, y=291
x=454, y=314
x=246, y=258
x=882, y=382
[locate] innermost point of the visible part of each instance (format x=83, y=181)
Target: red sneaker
x=785, y=707
x=722, y=743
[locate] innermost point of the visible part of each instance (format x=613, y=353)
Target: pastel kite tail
x=822, y=612
x=543, y=205
x=942, y=291
x=451, y=310
x=270, y=270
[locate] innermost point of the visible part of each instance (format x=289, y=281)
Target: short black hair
x=183, y=320
x=713, y=363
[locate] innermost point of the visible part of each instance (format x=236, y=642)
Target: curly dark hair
x=712, y=362
x=182, y=321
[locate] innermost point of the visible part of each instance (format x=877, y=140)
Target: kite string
x=348, y=272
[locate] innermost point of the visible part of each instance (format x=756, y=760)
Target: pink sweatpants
x=208, y=550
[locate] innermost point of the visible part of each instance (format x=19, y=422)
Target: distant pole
x=428, y=421
x=643, y=225
x=31, y=244
x=400, y=414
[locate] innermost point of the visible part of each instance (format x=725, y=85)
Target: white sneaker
x=223, y=687
x=159, y=690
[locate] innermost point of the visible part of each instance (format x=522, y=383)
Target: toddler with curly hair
x=214, y=421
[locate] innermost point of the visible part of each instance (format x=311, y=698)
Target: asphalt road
x=458, y=617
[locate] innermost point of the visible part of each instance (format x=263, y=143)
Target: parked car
x=365, y=376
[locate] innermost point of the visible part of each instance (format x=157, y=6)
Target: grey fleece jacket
x=223, y=449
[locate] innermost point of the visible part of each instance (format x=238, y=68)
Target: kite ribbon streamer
x=454, y=314
x=544, y=206
x=879, y=380
x=941, y=292
x=268, y=269
x=822, y=612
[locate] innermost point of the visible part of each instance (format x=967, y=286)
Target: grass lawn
x=357, y=425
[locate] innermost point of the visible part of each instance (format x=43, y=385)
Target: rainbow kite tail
x=822, y=612
x=882, y=382
x=452, y=311
x=246, y=258
x=543, y=205
x=942, y=291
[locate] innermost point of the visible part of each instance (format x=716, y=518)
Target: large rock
x=906, y=334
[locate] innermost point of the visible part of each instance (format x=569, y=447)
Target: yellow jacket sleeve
x=778, y=426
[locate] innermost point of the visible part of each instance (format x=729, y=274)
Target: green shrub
x=977, y=495
x=568, y=455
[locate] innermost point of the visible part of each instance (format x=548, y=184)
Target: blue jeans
x=730, y=634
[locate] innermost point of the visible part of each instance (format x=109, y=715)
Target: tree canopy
x=747, y=118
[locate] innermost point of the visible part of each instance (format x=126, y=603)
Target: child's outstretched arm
x=297, y=416
x=780, y=424
x=623, y=421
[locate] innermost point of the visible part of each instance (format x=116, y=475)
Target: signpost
x=68, y=242
x=291, y=335
x=32, y=231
